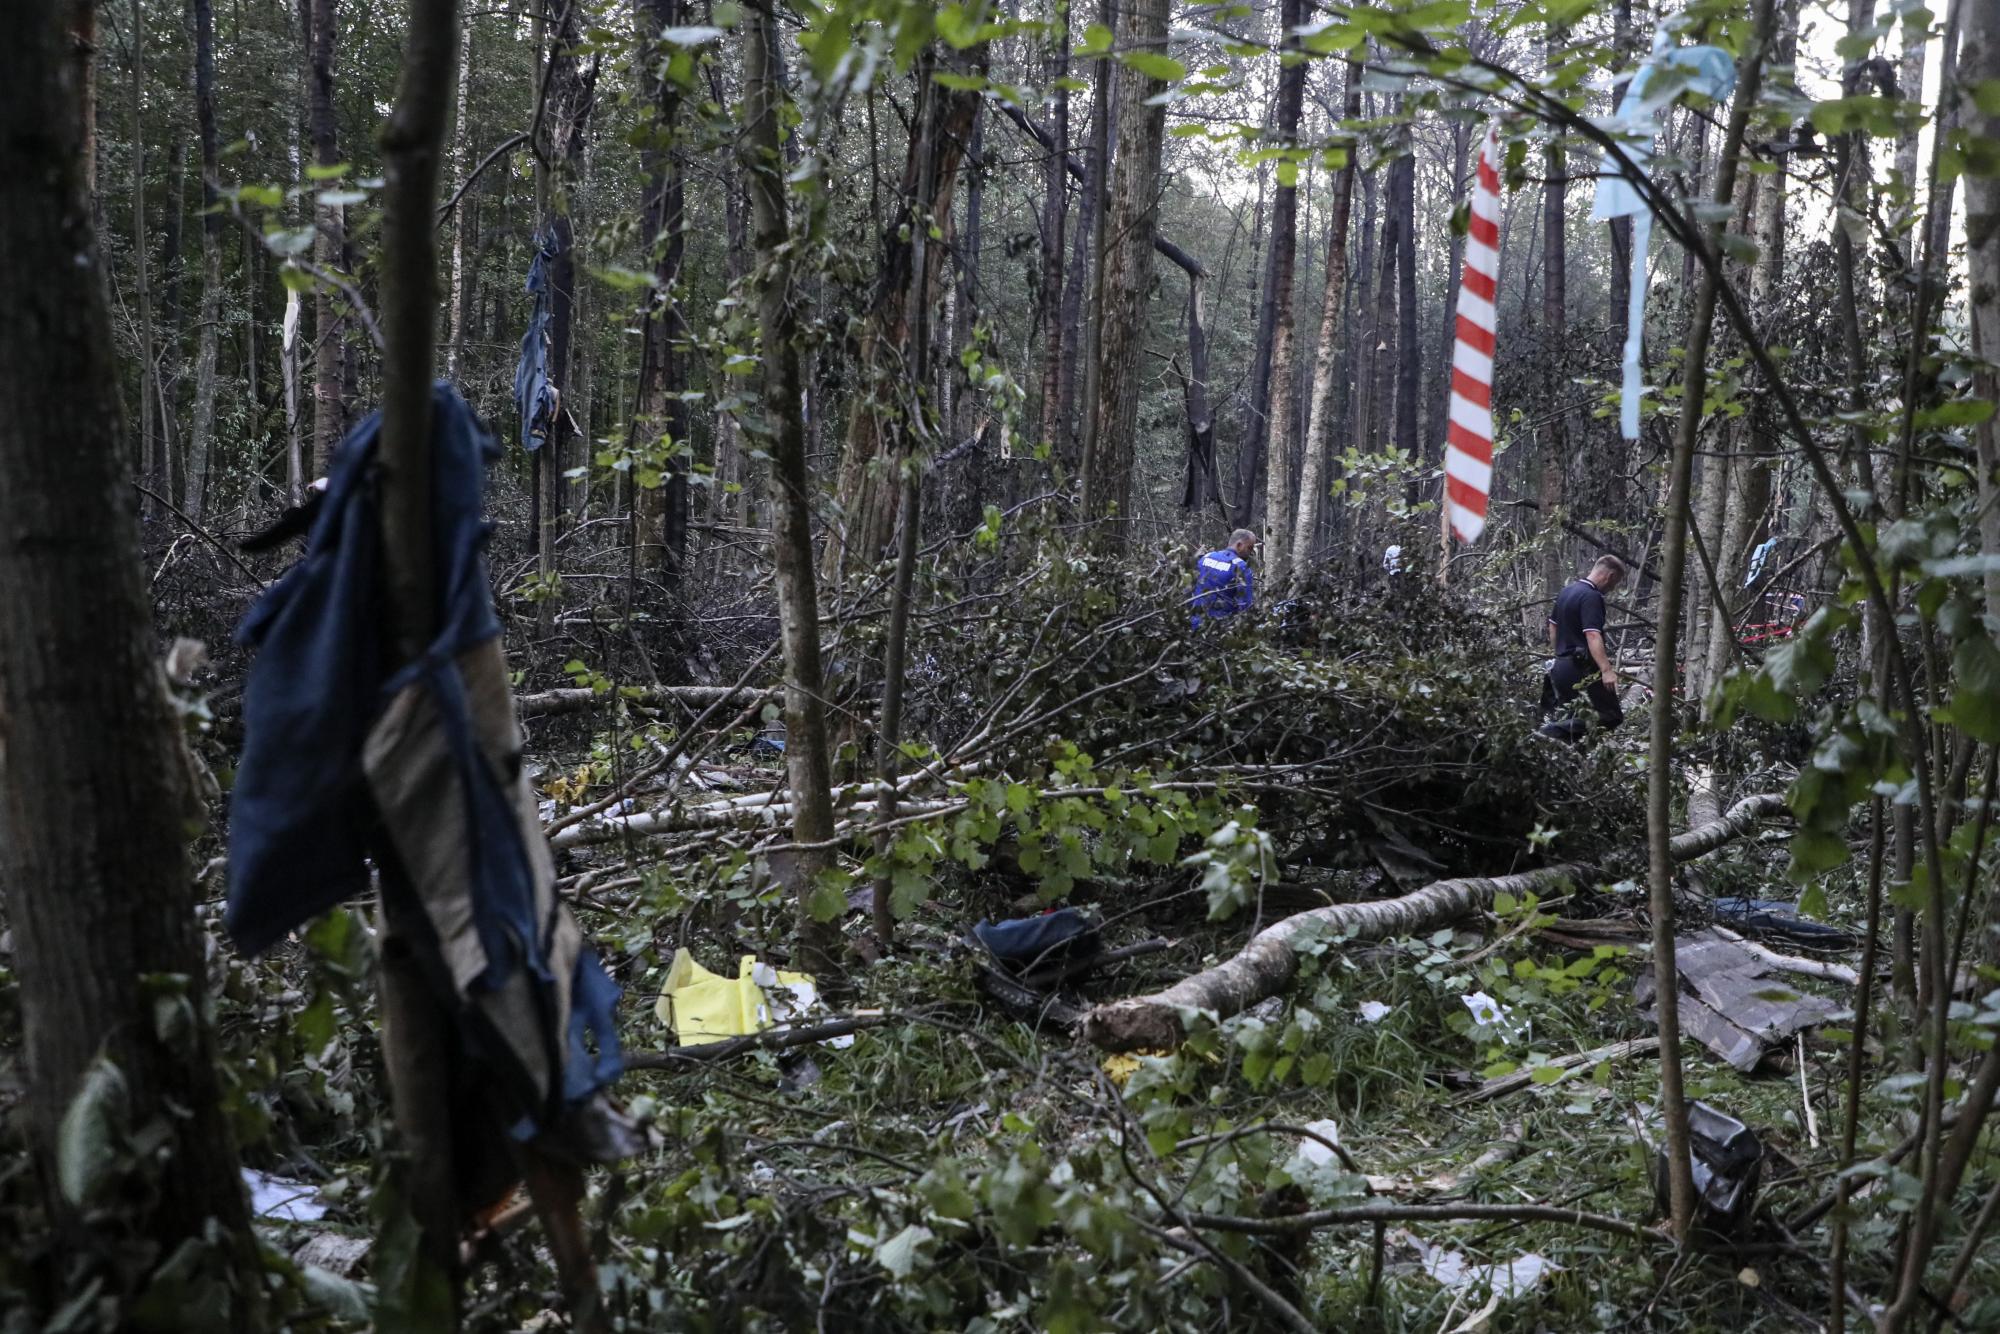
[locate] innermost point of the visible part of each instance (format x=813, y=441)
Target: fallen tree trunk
x=576, y=699
x=1267, y=965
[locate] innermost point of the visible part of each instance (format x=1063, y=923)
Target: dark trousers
x=1559, y=689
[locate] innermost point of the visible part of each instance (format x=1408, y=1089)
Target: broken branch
x=1267, y=965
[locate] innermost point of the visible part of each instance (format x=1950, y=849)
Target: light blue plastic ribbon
x=1666, y=74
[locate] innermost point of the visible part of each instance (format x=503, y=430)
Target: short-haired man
x=1223, y=581
x=1576, y=632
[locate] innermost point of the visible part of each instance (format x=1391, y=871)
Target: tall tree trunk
x=1552, y=444
x=1126, y=258
x=1277, y=418
x=1750, y=463
x=1367, y=324
x=1382, y=396
x=329, y=241
x=1621, y=228
x=1410, y=359
x=806, y=754
x=569, y=96
x=878, y=439
x=1079, y=343
x=1979, y=65
x=152, y=464
x=663, y=510
x=416, y=1020
x=1673, y=563
x=201, y=439
x=1317, y=465
x=1103, y=140
x=1249, y=457
x=82, y=50
x=94, y=802
x=465, y=217
x=1055, y=213
x=731, y=460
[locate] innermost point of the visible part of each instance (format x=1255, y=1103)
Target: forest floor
x=962, y=1162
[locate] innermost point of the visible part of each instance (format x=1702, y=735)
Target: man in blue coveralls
x=1223, y=581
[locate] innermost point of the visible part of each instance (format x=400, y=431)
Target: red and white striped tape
x=1468, y=455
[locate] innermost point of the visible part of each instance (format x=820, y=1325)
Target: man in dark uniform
x=1576, y=632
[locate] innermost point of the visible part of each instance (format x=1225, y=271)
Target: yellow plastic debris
x=705, y=1007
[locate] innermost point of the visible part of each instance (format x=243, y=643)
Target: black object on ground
x=1775, y=917
x=1728, y=1163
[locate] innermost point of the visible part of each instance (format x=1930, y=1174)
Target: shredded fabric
x=348, y=759
x=1669, y=72
x=535, y=396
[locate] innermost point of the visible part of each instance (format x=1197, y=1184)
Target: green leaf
x=1815, y=851
x=90, y=1137
x=1812, y=902
x=1154, y=65
x=828, y=899
x=1740, y=248
x=1097, y=40
x=331, y=172
x=1546, y=1074
x=316, y=1024
x=909, y=887
x=266, y=196
x=1440, y=14
x=1958, y=412
x=1986, y=96
x=1975, y=700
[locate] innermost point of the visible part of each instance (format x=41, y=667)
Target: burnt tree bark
x=94, y=798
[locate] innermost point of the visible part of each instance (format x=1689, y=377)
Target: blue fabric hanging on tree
x=1659, y=82
x=350, y=757
x=536, y=398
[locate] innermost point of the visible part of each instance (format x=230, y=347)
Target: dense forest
x=734, y=665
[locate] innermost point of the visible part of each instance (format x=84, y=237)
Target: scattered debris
x=1728, y=1163
x=1521, y=1078
x=1456, y=1272
x=1319, y=1151
x=1373, y=1012
x=282, y=1199
x=1491, y=1015
x=1775, y=917
x=1731, y=1005
x=1031, y=946
x=704, y=1007
x=336, y=1253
